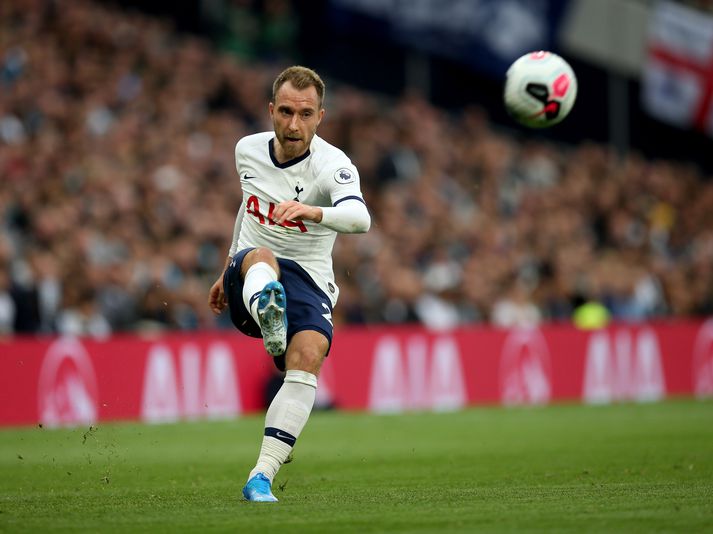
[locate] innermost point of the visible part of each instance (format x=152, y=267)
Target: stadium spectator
x=7, y=304
x=515, y=308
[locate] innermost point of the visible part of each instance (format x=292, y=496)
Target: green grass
x=626, y=468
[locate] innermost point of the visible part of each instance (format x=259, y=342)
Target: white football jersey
x=323, y=176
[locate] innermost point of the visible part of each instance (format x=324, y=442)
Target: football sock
x=257, y=276
x=285, y=419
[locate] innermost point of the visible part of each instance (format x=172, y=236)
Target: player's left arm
x=348, y=216
x=348, y=213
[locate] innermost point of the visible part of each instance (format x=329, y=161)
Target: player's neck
x=281, y=157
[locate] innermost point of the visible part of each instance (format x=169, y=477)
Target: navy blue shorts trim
x=307, y=305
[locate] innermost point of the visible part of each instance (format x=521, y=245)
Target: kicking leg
x=264, y=298
x=259, y=268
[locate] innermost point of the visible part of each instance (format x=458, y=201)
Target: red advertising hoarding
x=68, y=381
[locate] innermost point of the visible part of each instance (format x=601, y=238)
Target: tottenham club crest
x=344, y=176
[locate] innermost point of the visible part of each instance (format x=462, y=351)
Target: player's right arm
x=216, y=297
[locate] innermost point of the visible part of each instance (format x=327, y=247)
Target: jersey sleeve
x=238, y=154
x=241, y=212
x=348, y=212
x=342, y=183
x=236, y=230
x=348, y=217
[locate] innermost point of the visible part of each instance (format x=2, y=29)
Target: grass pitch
x=625, y=468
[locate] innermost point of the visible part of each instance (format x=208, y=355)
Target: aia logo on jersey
x=252, y=206
x=344, y=176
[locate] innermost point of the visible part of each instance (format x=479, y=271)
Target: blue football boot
x=259, y=489
x=272, y=311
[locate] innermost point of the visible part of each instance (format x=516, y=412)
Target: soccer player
x=298, y=193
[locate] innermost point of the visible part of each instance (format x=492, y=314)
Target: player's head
x=296, y=110
x=300, y=78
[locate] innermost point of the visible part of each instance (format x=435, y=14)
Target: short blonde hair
x=301, y=78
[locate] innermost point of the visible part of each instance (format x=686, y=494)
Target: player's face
x=295, y=117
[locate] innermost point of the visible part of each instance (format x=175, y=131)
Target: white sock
x=257, y=276
x=285, y=419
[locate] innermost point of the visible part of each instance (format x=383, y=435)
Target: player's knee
x=306, y=357
x=260, y=254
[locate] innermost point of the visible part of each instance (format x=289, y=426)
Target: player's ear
x=271, y=108
x=321, y=115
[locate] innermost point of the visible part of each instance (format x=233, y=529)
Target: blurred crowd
x=118, y=194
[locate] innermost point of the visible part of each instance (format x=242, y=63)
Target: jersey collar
x=288, y=163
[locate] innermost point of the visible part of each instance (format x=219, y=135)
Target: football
x=540, y=89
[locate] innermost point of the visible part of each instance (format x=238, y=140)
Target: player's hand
x=296, y=211
x=216, y=297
